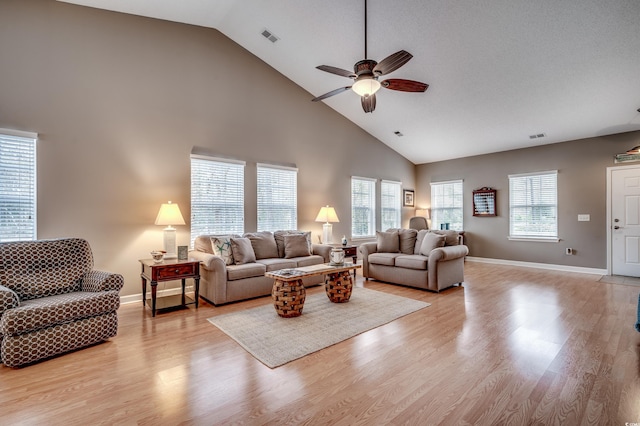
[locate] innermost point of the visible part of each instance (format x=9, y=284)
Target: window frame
x=532, y=235
x=371, y=222
x=20, y=160
x=275, y=190
x=209, y=226
x=436, y=210
x=393, y=207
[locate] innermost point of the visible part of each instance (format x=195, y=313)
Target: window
x=277, y=198
x=217, y=196
x=446, y=205
x=390, y=202
x=17, y=186
x=533, y=205
x=363, y=207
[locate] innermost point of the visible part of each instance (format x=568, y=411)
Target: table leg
x=154, y=286
x=288, y=297
x=197, y=282
x=144, y=291
x=183, y=290
x=339, y=287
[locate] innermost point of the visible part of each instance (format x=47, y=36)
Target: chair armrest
x=8, y=299
x=101, y=281
x=323, y=250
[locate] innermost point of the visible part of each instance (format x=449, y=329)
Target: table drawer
x=175, y=271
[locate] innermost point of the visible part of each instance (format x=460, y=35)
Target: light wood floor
x=512, y=346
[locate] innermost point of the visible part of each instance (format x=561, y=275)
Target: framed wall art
x=408, y=198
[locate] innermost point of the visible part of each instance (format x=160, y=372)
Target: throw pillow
x=407, y=239
x=419, y=239
x=451, y=237
x=264, y=245
x=388, y=242
x=222, y=247
x=242, y=251
x=296, y=245
x=279, y=237
x=431, y=241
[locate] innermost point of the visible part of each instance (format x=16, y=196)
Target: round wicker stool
x=288, y=297
x=339, y=286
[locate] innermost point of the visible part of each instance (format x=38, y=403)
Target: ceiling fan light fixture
x=366, y=86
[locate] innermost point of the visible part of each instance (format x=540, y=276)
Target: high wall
x=581, y=166
x=120, y=102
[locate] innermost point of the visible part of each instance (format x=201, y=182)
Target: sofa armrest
x=213, y=276
x=8, y=299
x=446, y=266
x=209, y=261
x=447, y=253
x=366, y=249
x=101, y=281
x=323, y=250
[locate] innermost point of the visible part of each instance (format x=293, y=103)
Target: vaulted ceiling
x=498, y=71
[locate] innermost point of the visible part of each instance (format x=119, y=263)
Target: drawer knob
x=177, y=271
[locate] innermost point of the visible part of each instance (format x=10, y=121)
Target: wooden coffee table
x=289, y=293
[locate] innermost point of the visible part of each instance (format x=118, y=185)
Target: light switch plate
x=584, y=218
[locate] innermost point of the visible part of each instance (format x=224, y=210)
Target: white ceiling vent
x=538, y=136
x=269, y=36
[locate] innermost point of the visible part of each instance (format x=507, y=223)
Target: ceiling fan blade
x=392, y=62
x=337, y=71
x=404, y=85
x=368, y=103
x=331, y=93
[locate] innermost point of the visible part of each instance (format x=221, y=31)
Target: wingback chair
x=52, y=301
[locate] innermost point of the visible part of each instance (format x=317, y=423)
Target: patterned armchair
x=52, y=301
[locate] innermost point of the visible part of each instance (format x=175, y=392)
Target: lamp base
x=327, y=233
x=170, y=242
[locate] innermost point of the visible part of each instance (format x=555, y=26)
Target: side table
x=349, y=251
x=169, y=270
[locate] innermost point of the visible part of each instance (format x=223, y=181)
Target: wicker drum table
x=288, y=291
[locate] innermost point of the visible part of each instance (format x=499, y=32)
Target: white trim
x=365, y=178
x=391, y=181
x=548, y=266
x=548, y=172
x=535, y=239
x=19, y=133
x=218, y=159
x=446, y=181
x=137, y=298
x=275, y=166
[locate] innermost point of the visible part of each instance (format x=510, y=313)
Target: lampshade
x=169, y=214
x=634, y=150
x=327, y=214
x=422, y=213
x=366, y=86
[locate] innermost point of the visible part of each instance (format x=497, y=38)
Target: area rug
x=275, y=341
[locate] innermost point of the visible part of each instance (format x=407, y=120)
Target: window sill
x=536, y=239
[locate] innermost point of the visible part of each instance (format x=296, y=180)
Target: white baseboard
x=549, y=266
x=137, y=298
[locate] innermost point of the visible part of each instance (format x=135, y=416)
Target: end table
x=169, y=270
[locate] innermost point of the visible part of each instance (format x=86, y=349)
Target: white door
x=625, y=218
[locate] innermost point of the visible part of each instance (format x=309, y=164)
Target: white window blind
x=217, y=196
x=390, y=204
x=363, y=207
x=447, y=205
x=277, y=198
x=533, y=205
x=17, y=186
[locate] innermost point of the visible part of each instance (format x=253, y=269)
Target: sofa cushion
x=419, y=238
x=276, y=263
x=222, y=247
x=247, y=270
x=263, y=243
x=314, y=259
x=58, y=309
x=387, y=259
x=387, y=242
x=296, y=245
x=279, y=237
x=451, y=237
x=431, y=241
x=242, y=251
x=412, y=261
x=407, y=239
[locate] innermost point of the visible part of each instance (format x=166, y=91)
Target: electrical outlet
x=584, y=217
x=568, y=251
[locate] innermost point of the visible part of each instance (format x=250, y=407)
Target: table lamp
x=169, y=215
x=327, y=214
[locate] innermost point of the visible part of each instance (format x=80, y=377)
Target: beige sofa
x=432, y=260
x=233, y=266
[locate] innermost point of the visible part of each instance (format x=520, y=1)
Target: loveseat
x=233, y=266
x=52, y=301
x=432, y=260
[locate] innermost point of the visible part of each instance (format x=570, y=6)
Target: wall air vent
x=269, y=36
x=538, y=136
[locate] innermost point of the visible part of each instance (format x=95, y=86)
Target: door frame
x=610, y=171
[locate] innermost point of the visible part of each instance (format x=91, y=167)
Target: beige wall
x=119, y=103
x=581, y=169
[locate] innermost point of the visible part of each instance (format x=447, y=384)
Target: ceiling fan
x=366, y=74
